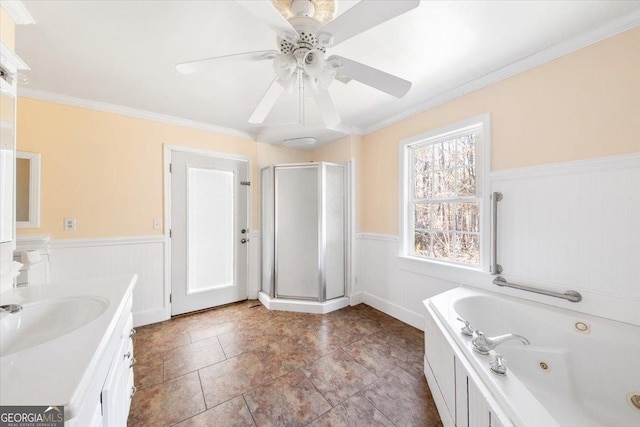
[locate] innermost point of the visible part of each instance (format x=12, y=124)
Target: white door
x=209, y=231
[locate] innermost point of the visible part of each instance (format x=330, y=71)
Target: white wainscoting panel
x=562, y=226
x=382, y=284
x=102, y=257
x=575, y=227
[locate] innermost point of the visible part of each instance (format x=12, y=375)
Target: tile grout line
x=249, y=409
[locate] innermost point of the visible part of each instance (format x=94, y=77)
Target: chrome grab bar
x=495, y=267
x=573, y=296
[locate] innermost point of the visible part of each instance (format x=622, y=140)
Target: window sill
x=458, y=274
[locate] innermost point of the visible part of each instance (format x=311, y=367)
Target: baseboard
x=147, y=317
x=302, y=306
x=394, y=310
x=356, y=298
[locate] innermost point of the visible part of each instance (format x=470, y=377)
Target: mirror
x=7, y=160
x=27, y=190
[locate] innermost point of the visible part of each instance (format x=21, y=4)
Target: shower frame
x=269, y=224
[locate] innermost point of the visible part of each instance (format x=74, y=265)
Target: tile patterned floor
x=243, y=365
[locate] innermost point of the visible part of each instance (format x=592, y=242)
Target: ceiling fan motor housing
x=308, y=37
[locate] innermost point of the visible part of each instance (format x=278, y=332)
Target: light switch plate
x=69, y=223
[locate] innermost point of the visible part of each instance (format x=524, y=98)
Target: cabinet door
x=129, y=388
x=462, y=404
x=479, y=412
x=113, y=403
x=441, y=360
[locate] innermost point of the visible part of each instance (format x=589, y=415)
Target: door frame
x=167, y=150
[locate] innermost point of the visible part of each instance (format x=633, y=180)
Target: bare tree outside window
x=444, y=200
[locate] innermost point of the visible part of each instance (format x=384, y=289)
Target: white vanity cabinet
x=462, y=400
x=109, y=397
x=118, y=388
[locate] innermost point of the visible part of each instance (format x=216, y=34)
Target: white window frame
x=483, y=169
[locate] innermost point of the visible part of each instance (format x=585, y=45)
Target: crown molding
x=129, y=112
x=10, y=60
x=603, y=32
x=18, y=12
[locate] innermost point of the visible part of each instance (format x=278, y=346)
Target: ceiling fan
x=302, y=40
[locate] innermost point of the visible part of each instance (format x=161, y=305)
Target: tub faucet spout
x=483, y=344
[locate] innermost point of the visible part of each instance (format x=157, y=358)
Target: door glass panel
x=210, y=241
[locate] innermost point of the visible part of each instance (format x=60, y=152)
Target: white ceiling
x=124, y=53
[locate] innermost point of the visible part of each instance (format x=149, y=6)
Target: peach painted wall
x=580, y=106
x=339, y=151
x=7, y=29
x=107, y=169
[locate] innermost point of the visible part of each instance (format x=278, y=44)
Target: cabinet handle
x=133, y=362
x=134, y=390
x=127, y=355
x=133, y=332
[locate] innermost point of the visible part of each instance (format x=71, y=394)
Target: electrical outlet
x=69, y=223
x=157, y=223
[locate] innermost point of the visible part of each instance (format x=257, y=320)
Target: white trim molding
x=18, y=12
x=31, y=242
x=129, y=112
x=10, y=60
x=105, y=241
x=392, y=238
x=479, y=125
x=603, y=32
x=253, y=255
x=34, y=160
x=394, y=310
x=623, y=161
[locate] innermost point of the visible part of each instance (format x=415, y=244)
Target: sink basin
x=44, y=321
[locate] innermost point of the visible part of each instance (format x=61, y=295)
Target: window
x=444, y=211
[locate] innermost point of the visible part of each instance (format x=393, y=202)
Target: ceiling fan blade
x=265, y=11
x=209, y=63
x=327, y=108
x=267, y=102
x=373, y=77
x=365, y=15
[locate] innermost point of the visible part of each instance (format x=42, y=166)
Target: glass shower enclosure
x=304, y=222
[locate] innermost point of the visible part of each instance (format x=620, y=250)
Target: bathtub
x=579, y=370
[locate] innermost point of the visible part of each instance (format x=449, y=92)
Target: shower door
x=296, y=231
x=208, y=231
x=304, y=231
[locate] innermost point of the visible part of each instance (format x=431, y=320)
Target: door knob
x=243, y=240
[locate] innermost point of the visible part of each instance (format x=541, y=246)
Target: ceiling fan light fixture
x=305, y=141
x=314, y=63
x=284, y=66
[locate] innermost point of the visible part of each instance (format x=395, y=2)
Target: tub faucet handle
x=497, y=366
x=466, y=330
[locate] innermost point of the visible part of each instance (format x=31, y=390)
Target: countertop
x=59, y=372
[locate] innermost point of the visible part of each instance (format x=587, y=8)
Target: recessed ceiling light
x=304, y=141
